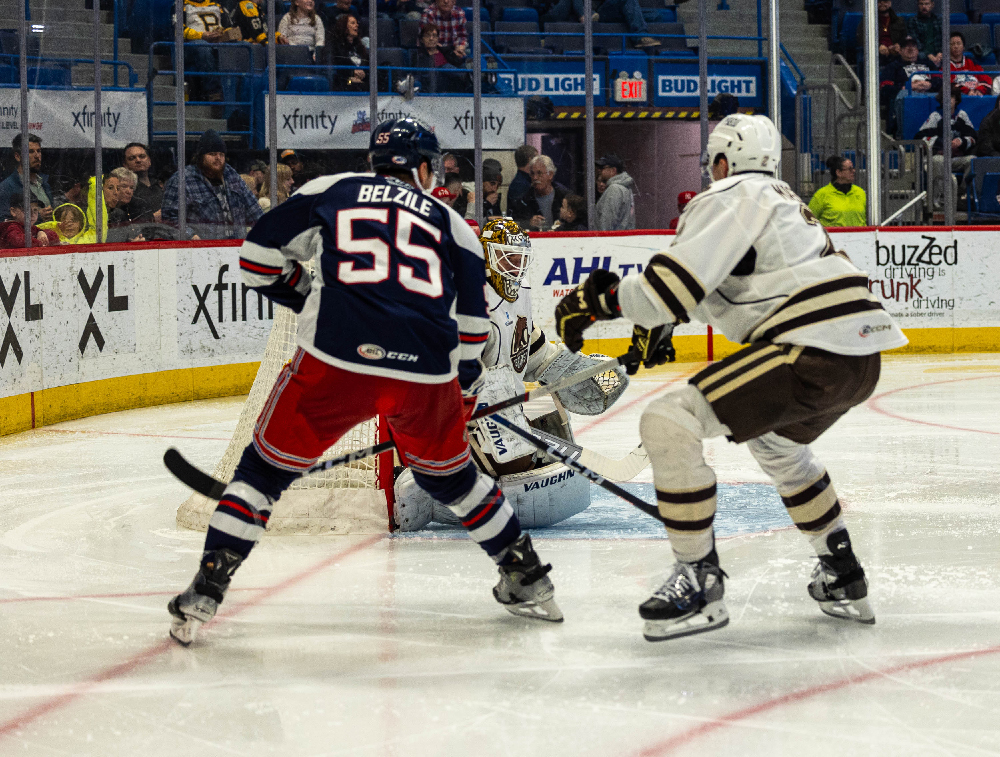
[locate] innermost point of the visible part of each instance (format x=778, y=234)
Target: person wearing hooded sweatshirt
x=219, y=203
x=616, y=208
x=70, y=224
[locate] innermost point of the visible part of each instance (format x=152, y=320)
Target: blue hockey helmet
x=402, y=144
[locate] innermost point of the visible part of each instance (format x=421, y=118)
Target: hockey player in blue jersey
x=393, y=324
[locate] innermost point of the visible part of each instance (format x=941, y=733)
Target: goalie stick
x=570, y=457
x=196, y=479
x=614, y=470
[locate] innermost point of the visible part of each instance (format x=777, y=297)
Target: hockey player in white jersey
x=750, y=259
x=541, y=492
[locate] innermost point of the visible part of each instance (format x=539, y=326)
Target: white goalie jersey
x=776, y=278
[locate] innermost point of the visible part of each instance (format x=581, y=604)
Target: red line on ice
x=140, y=659
x=724, y=721
x=873, y=403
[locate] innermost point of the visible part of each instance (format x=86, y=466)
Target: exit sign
x=630, y=90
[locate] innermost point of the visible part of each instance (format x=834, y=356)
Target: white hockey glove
x=589, y=397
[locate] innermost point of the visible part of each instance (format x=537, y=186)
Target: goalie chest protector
x=510, y=331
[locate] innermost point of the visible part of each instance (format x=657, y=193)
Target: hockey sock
x=241, y=515
x=815, y=510
x=479, y=505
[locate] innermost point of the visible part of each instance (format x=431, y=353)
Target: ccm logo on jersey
x=549, y=481
x=865, y=331
x=374, y=352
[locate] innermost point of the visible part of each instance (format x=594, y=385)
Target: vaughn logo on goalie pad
x=542, y=483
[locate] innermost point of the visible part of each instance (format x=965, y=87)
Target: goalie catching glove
x=596, y=299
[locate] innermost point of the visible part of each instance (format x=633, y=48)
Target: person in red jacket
x=12, y=232
x=682, y=200
x=963, y=69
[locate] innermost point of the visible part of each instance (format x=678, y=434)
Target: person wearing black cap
x=219, y=204
x=616, y=208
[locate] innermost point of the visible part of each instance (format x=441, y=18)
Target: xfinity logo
x=467, y=122
x=313, y=121
x=84, y=119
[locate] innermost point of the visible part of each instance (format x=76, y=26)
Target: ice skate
x=525, y=588
x=200, y=601
x=839, y=583
x=688, y=602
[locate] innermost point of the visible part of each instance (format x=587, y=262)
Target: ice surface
x=394, y=645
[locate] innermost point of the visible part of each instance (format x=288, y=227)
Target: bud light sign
x=564, y=83
x=679, y=84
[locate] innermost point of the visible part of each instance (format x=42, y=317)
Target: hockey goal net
x=348, y=499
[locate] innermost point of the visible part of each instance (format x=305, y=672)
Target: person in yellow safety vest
x=841, y=202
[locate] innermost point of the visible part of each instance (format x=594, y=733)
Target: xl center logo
x=32, y=312
x=116, y=303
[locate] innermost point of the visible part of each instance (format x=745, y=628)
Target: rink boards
x=93, y=329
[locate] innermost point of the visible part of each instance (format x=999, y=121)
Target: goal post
x=349, y=499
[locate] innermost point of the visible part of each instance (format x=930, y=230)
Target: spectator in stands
x=521, y=183
x=284, y=189
x=38, y=182
x=988, y=141
x=450, y=23
x=925, y=28
x=69, y=226
x=891, y=33
x=963, y=68
x=301, y=25
x=539, y=207
x=599, y=186
x=616, y=208
x=627, y=12
x=963, y=143
x=492, y=180
x=12, y=231
x=258, y=170
x=572, y=214
x=445, y=195
x=349, y=53
x=134, y=209
x=682, y=202
x=841, y=202
x=251, y=20
x=205, y=21
x=339, y=8
x=108, y=198
x=147, y=190
x=430, y=54
x=67, y=189
x=893, y=77
x=219, y=204
x=291, y=159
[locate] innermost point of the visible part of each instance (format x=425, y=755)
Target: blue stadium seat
x=520, y=36
x=49, y=76
x=990, y=19
x=9, y=75
x=10, y=43
x=484, y=16
x=520, y=15
x=959, y=18
x=977, y=34
x=560, y=44
x=307, y=84
x=388, y=33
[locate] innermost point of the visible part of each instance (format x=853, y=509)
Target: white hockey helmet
x=749, y=143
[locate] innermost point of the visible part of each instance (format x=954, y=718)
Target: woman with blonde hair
x=301, y=25
x=285, y=182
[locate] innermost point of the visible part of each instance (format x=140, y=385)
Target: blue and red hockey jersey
x=399, y=289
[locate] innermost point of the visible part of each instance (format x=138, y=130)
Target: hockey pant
x=672, y=429
x=313, y=404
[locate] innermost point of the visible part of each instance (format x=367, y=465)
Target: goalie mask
x=508, y=253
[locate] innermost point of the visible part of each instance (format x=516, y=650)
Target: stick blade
x=191, y=476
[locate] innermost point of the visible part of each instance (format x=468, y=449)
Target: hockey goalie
x=541, y=492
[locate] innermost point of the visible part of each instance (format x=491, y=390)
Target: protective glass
x=510, y=261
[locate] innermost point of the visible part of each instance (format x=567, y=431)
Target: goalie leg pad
x=414, y=507
x=672, y=429
x=592, y=396
x=501, y=383
x=545, y=496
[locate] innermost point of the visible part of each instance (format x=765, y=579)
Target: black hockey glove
x=596, y=299
x=652, y=347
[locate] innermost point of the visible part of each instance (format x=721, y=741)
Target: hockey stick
x=196, y=479
x=570, y=457
x=613, y=470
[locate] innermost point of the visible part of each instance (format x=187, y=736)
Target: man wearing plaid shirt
x=451, y=26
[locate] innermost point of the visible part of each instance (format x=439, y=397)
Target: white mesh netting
x=345, y=499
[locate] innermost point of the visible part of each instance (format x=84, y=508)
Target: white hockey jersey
x=752, y=260
x=514, y=341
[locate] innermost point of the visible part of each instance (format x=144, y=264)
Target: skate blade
x=546, y=609
x=184, y=631
x=858, y=610
x=713, y=615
